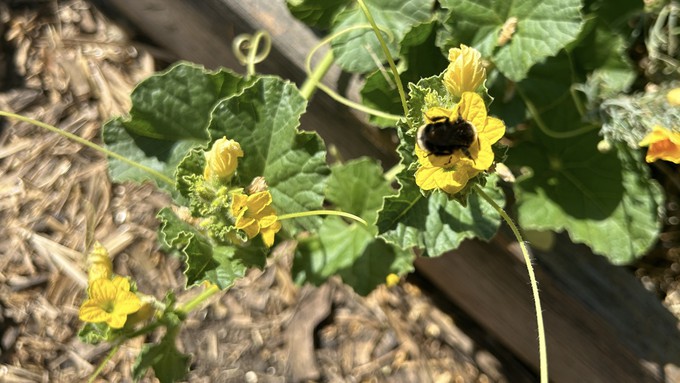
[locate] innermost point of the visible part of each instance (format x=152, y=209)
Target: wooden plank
x=203, y=31
x=594, y=312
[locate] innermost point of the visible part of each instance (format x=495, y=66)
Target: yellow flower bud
x=222, y=159
x=465, y=72
x=99, y=263
x=392, y=280
x=673, y=97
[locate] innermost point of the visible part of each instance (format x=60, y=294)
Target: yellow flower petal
x=116, y=320
x=484, y=156
x=465, y=72
x=426, y=177
x=473, y=109
x=222, y=159
x=269, y=232
x=663, y=145
x=126, y=303
x=249, y=226
x=258, y=201
x=90, y=311
x=493, y=130
x=673, y=97
x=102, y=290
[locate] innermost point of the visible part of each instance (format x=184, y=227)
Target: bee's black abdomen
x=445, y=137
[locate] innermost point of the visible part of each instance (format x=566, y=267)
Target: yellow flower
x=222, y=159
x=465, y=72
x=99, y=263
x=392, y=280
x=255, y=215
x=663, y=144
x=451, y=173
x=673, y=97
x=109, y=301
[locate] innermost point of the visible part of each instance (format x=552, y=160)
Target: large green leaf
x=437, y=223
x=169, y=115
x=543, y=28
x=264, y=120
x=358, y=187
x=609, y=203
x=351, y=251
x=419, y=58
x=317, y=13
x=167, y=362
x=359, y=50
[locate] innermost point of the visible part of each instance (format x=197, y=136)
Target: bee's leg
x=467, y=153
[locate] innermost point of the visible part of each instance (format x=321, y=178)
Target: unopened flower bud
x=465, y=72
x=222, y=159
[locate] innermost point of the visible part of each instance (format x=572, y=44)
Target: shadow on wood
x=601, y=324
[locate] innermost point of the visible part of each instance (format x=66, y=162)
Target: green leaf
x=264, y=120
x=317, y=13
x=169, y=115
x=167, y=362
x=419, y=57
x=437, y=223
x=351, y=251
x=609, y=203
x=205, y=261
x=615, y=14
x=359, y=50
x=358, y=187
x=543, y=28
x=600, y=56
x=95, y=333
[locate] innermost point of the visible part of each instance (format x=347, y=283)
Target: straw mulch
x=64, y=63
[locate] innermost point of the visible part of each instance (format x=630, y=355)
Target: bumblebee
x=442, y=137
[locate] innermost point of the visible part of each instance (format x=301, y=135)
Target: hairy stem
x=542, y=349
x=383, y=45
x=156, y=174
x=312, y=213
x=314, y=77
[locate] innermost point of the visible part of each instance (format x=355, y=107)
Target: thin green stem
x=99, y=369
x=383, y=45
x=535, y=114
x=314, y=77
x=158, y=175
x=322, y=212
x=253, y=56
x=200, y=298
x=391, y=174
x=542, y=348
x=333, y=94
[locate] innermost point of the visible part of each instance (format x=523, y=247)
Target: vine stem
x=192, y=304
x=314, y=77
x=158, y=175
x=309, y=85
x=101, y=365
x=323, y=212
x=542, y=348
x=383, y=45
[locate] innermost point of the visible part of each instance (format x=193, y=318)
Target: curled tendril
x=252, y=49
